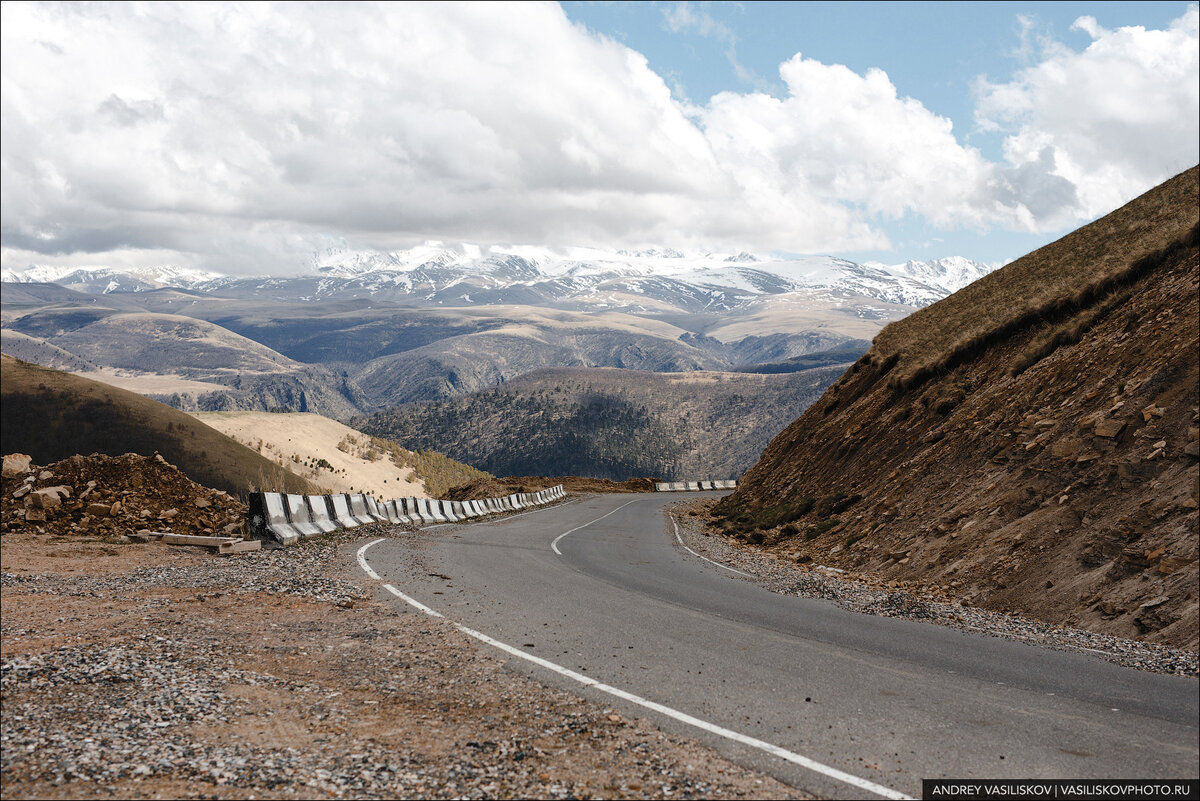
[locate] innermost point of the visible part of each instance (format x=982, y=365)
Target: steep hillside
x=339, y=458
x=1028, y=444
x=52, y=415
x=607, y=423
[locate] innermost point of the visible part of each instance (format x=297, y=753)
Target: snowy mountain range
x=581, y=278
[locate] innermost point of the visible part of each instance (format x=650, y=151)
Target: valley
x=388, y=337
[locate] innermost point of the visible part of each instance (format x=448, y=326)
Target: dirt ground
x=156, y=671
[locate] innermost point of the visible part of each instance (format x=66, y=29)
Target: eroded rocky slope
x=1029, y=444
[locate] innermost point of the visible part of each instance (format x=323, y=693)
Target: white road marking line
x=554, y=545
x=682, y=717
x=411, y=600
x=362, y=558
x=705, y=558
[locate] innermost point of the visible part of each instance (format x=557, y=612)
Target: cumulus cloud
x=241, y=137
x=1110, y=121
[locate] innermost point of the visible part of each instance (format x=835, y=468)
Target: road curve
x=840, y=704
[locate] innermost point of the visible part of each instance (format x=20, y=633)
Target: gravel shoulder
x=146, y=670
x=869, y=595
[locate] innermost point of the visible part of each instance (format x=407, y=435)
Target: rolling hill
x=1028, y=444
x=339, y=458
x=51, y=415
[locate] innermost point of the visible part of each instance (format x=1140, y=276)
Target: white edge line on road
x=705, y=558
x=554, y=544
x=682, y=717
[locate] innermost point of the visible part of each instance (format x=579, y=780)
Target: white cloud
x=1112, y=120
x=240, y=137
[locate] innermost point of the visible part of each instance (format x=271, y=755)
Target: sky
x=243, y=138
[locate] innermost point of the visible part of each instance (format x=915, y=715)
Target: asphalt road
x=883, y=701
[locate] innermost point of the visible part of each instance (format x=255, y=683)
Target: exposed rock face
x=1044, y=463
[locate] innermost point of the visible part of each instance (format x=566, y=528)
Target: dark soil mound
x=111, y=496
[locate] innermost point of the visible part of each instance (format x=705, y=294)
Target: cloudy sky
x=241, y=138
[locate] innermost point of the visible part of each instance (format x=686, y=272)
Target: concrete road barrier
x=318, y=512
x=298, y=513
x=436, y=511
x=289, y=518
x=358, y=508
x=268, y=518
x=693, y=486
x=341, y=511
x=375, y=511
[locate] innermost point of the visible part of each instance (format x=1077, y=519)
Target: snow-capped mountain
x=583, y=278
x=110, y=279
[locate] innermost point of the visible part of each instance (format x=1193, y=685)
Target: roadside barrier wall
x=287, y=519
x=318, y=511
x=298, y=513
x=693, y=486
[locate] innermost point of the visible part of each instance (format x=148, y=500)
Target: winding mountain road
x=598, y=596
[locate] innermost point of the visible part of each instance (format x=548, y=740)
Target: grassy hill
x=339, y=458
x=1027, y=444
x=609, y=423
x=51, y=415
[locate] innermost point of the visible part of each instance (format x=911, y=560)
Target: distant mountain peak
x=581, y=278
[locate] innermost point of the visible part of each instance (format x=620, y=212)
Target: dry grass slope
x=52, y=415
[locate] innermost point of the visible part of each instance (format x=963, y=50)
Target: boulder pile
x=112, y=497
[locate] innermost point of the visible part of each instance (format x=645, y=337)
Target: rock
x=168, y=514
x=201, y=503
x=98, y=509
x=1066, y=448
x=232, y=527
x=1108, y=428
x=1153, y=602
x=1192, y=449
x=16, y=464
x=35, y=515
x=115, y=508
x=1151, y=411
x=45, y=475
x=44, y=498
x=22, y=490
x=1173, y=564
x=1134, y=557
x=1087, y=456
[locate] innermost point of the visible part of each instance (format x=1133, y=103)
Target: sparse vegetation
x=608, y=423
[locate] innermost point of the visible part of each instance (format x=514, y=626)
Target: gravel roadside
x=145, y=670
x=890, y=599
